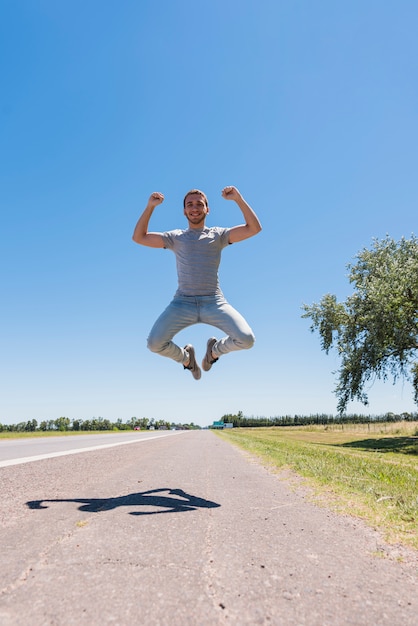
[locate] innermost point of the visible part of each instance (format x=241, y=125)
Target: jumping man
x=199, y=298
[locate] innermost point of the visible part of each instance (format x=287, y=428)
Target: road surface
x=187, y=530
x=26, y=450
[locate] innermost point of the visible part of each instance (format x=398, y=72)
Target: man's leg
x=179, y=314
x=239, y=336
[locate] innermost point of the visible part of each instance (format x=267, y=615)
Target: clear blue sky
x=309, y=108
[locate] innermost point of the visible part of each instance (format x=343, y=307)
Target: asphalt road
x=187, y=530
x=25, y=450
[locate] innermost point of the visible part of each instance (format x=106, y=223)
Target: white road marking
x=51, y=455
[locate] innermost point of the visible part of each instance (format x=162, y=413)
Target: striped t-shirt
x=198, y=254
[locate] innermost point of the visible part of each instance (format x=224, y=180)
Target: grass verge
x=373, y=475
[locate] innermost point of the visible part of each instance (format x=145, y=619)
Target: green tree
x=62, y=423
x=376, y=329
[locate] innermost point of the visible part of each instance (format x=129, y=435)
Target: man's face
x=195, y=210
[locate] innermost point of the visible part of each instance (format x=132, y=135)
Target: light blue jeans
x=184, y=311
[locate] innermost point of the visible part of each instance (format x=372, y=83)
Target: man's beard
x=197, y=220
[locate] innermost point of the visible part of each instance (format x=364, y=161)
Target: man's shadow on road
x=183, y=502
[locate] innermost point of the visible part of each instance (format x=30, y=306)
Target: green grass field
x=370, y=471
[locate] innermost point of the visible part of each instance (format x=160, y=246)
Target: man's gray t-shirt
x=198, y=254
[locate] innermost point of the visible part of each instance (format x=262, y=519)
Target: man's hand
x=155, y=199
x=252, y=224
x=141, y=234
x=231, y=193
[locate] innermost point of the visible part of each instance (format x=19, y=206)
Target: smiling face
x=196, y=208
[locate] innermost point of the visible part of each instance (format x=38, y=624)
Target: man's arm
x=141, y=234
x=252, y=224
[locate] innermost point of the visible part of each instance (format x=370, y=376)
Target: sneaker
x=193, y=366
x=208, y=361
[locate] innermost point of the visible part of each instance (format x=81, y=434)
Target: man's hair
x=195, y=191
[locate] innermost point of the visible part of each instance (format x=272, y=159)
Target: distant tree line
x=63, y=424
x=241, y=421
